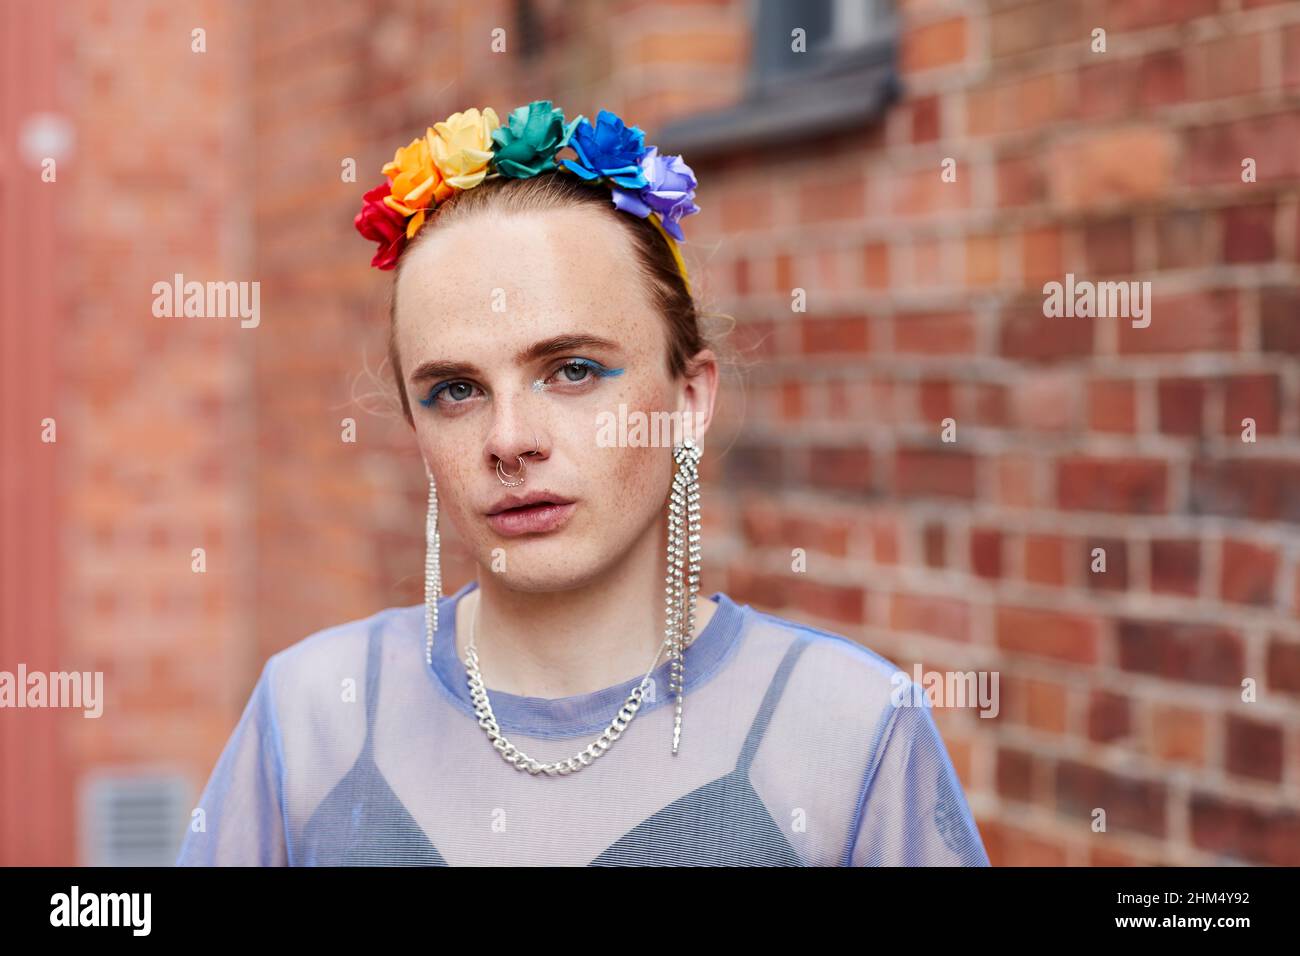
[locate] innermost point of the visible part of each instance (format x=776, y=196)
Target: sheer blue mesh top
x=353, y=751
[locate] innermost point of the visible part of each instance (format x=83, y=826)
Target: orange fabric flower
x=416, y=182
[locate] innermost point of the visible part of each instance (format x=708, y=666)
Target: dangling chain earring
x=432, y=570
x=682, y=580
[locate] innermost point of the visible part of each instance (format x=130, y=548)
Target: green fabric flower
x=526, y=145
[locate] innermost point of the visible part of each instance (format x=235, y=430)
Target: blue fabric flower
x=610, y=150
x=669, y=191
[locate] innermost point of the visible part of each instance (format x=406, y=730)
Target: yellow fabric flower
x=461, y=146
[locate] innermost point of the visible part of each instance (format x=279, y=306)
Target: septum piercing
x=512, y=481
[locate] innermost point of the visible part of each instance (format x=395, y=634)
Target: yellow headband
x=672, y=245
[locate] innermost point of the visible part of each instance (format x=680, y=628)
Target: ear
x=699, y=391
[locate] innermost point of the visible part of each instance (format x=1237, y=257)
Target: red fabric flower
x=382, y=224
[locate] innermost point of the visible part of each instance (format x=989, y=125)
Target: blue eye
x=457, y=390
x=577, y=370
x=572, y=371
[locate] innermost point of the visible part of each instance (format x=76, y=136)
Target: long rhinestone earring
x=682, y=582
x=432, y=570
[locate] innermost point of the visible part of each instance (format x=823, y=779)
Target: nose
x=515, y=432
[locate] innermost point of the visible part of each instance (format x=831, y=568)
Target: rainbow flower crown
x=467, y=148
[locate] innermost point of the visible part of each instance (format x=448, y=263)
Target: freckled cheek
x=453, y=472
x=643, y=470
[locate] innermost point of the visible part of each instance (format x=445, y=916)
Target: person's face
x=517, y=332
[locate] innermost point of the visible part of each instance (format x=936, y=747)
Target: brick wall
x=1119, y=690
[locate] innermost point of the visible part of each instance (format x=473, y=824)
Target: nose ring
x=511, y=481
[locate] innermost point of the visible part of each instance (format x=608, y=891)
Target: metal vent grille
x=133, y=819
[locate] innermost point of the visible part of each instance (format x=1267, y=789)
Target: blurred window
x=839, y=73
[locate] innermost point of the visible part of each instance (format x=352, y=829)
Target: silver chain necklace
x=681, y=586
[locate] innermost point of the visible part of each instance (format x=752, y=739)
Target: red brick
x=1041, y=255
x=825, y=199
x=1248, y=233
x=1249, y=572
x=940, y=333
x=1107, y=88
x=838, y=468
x=1196, y=653
x=1175, y=566
x=1108, y=246
x=936, y=399
x=1115, y=577
x=1111, y=166
x=1178, y=734
x=1109, y=717
x=1284, y=665
x=1279, y=319
x=1031, y=26
x=983, y=260
x=1140, y=14
x=1241, y=831
x=987, y=403
x=837, y=335
x=1183, y=239
x=1214, y=153
x=1028, y=334
x=1252, y=396
x=1045, y=705
x=942, y=43
x=1252, y=748
x=1112, y=406
x=1021, y=180
x=840, y=603
x=824, y=537
x=1181, y=406
x=939, y=616
x=1259, y=488
x=761, y=589
x=1162, y=79
x=1053, y=634
x=1125, y=485
x=1131, y=804
x=924, y=192
x=1045, y=559
x=925, y=472
x=875, y=265
x=1291, y=56
x=925, y=119
x=883, y=534
x=1196, y=322
x=986, y=552
x=1015, y=774
x=934, y=539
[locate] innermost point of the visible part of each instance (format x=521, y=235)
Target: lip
x=537, y=512
x=528, y=498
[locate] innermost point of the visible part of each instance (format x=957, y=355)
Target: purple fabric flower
x=609, y=149
x=669, y=191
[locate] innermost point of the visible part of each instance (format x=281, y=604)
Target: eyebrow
x=556, y=345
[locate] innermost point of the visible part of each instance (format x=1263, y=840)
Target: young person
x=576, y=704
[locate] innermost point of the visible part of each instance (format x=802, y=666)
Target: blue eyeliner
x=594, y=367
x=600, y=371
